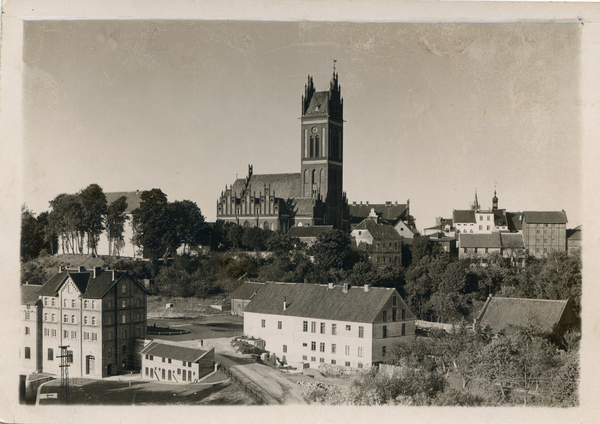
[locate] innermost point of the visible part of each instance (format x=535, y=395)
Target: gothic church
x=312, y=197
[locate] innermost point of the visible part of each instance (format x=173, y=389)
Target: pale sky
x=433, y=111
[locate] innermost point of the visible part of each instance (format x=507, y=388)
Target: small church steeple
x=494, y=201
x=475, y=204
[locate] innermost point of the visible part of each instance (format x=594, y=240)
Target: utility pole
x=64, y=374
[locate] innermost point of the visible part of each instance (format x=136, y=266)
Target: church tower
x=322, y=148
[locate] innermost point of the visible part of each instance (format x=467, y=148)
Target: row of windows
x=169, y=361
x=394, y=316
x=382, y=259
x=313, y=347
x=333, y=361
x=168, y=374
x=313, y=328
x=481, y=217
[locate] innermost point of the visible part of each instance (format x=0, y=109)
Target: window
x=73, y=304
x=481, y=217
x=321, y=359
x=66, y=318
x=85, y=319
x=393, y=300
x=333, y=348
x=53, y=332
x=304, y=357
x=304, y=344
x=322, y=347
x=65, y=334
x=73, y=319
x=313, y=345
x=46, y=332
x=360, y=365
x=322, y=328
x=94, y=304
x=85, y=304
x=86, y=335
x=27, y=314
x=486, y=250
x=475, y=250
x=384, y=331
x=163, y=359
x=123, y=288
x=334, y=329
x=481, y=227
x=403, y=314
x=263, y=323
x=66, y=303
x=74, y=335
x=313, y=359
x=347, y=350
x=385, y=315
x=348, y=328
x=124, y=303
x=27, y=332
x=53, y=317
x=333, y=362
x=169, y=361
x=70, y=356
x=360, y=351
x=313, y=327
x=361, y=331
x=279, y=325
x=45, y=301
x=94, y=337
x=50, y=354
x=284, y=348
x=305, y=326
x=27, y=353
x=465, y=250
x=393, y=315
x=382, y=350
x=347, y=363
x=403, y=329
x=124, y=319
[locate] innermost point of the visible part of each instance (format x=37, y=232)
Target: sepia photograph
x=304, y=210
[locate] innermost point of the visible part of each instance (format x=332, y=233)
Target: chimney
x=61, y=268
x=331, y=285
x=113, y=275
x=96, y=271
x=373, y=215
x=367, y=287
x=81, y=268
x=345, y=288
x=284, y=303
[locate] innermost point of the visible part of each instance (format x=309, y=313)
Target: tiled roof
x=320, y=99
x=378, y=231
x=554, y=217
x=92, y=288
x=500, y=217
x=512, y=240
x=462, y=216
x=514, y=221
x=133, y=199
x=246, y=290
x=310, y=231
x=179, y=353
x=320, y=302
x=501, y=312
x=303, y=206
x=284, y=186
x=388, y=211
x=29, y=294
x=491, y=240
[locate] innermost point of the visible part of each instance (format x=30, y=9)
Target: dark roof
x=501, y=312
x=574, y=234
x=303, y=206
x=514, y=221
x=285, y=186
x=320, y=302
x=179, y=353
x=480, y=240
x=512, y=240
x=500, y=217
x=554, y=217
x=133, y=199
x=389, y=211
x=310, y=231
x=92, y=288
x=29, y=294
x=320, y=99
x=462, y=216
x=378, y=231
x=246, y=290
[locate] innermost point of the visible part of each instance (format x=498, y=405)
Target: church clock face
x=314, y=130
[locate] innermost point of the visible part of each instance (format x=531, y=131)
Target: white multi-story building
x=178, y=364
x=98, y=314
x=308, y=325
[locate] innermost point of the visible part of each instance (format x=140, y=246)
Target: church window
x=312, y=146
x=313, y=177
x=305, y=142
x=317, y=143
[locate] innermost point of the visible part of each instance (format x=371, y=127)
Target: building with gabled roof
x=574, y=239
x=544, y=232
x=98, y=314
x=30, y=330
x=309, y=235
x=379, y=240
x=314, y=196
x=548, y=316
x=312, y=324
x=176, y=363
x=242, y=295
x=395, y=214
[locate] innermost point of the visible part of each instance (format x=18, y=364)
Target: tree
x=94, y=208
x=115, y=225
x=66, y=221
x=332, y=251
x=31, y=240
x=190, y=223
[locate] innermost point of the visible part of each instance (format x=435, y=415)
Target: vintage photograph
x=300, y=213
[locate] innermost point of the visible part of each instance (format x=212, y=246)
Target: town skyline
x=434, y=112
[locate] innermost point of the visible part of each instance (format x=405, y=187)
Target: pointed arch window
x=312, y=146
x=317, y=143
